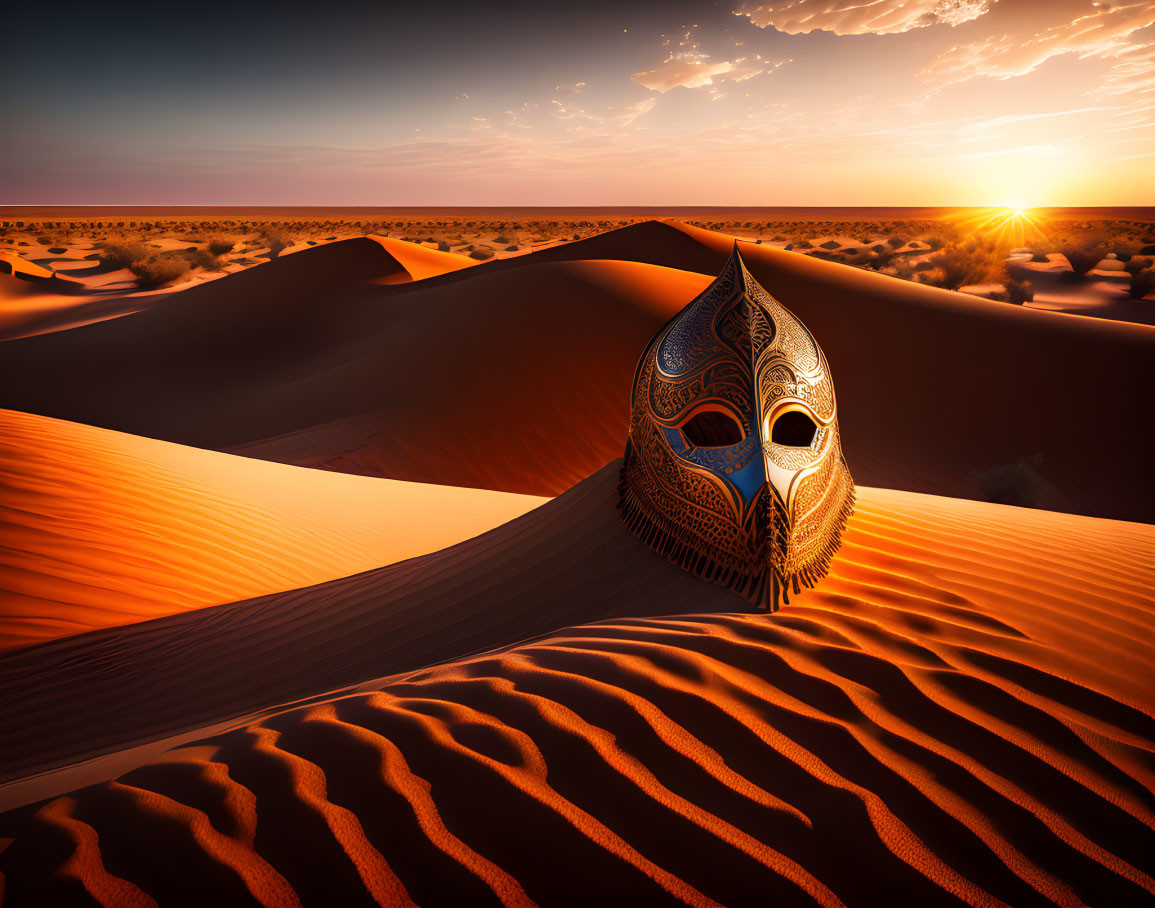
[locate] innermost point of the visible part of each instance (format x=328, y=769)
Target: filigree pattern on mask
x=760, y=516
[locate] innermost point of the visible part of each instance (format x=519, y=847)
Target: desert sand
x=545, y=711
x=941, y=717
x=99, y=528
x=312, y=360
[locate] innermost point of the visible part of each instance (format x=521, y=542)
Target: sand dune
x=1009, y=430
x=40, y=302
x=942, y=720
x=100, y=529
x=510, y=381
x=489, y=378
x=258, y=683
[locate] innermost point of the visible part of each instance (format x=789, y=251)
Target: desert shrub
x=202, y=258
x=1019, y=292
x=123, y=256
x=901, y=268
x=1084, y=257
x=276, y=239
x=158, y=270
x=955, y=267
x=219, y=245
x=1142, y=283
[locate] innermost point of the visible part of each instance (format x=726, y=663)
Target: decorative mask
x=733, y=467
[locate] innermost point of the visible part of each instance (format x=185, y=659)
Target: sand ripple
x=943, y=721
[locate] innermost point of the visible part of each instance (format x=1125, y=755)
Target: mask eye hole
x=794, y=429
x=713, y=429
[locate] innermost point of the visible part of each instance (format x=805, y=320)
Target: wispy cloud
x=696, y=74
x=1104, y=32
x=1053, y=148
x=568, y=102
x=1120, y=34
x=602, y=116
x=869, y=17
x=980, y=123
x=688, y=66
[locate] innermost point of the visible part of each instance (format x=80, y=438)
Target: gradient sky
x=792, y=102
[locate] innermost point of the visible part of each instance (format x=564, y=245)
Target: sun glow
x=1016, y=206
x=1015, y=224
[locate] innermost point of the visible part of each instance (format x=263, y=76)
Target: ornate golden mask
x=733, y=467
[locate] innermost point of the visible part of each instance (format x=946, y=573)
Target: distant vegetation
x=1084, y=256
x=976, y=256
x=219, y=245
x=123, y=256
x=158, y=270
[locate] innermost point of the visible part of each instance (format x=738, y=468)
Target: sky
x=678, y=102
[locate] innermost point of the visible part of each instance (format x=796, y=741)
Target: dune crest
x=42, y=302
x=419, y=262
x=527, y=390
x=941, y=720
x=101, y=529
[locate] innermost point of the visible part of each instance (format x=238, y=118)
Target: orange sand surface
x=99, y=528
x=257, y=683
x=962, y=712
x=514, y=374
x=418, y=262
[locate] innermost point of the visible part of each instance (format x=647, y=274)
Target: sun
x=1013, y=223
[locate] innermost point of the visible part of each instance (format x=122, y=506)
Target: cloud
x=691, y=74
x=618, y=116
x=1102, y=33
x=687, y=66
x=866, y=17
x=1122, y=35
x=1052, y=148
x=624, y=116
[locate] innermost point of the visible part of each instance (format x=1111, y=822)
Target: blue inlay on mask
x=739, y=465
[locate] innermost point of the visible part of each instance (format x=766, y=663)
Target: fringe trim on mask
x=765, y=589
x=818, y=565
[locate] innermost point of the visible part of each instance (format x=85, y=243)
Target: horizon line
x=246, y=206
